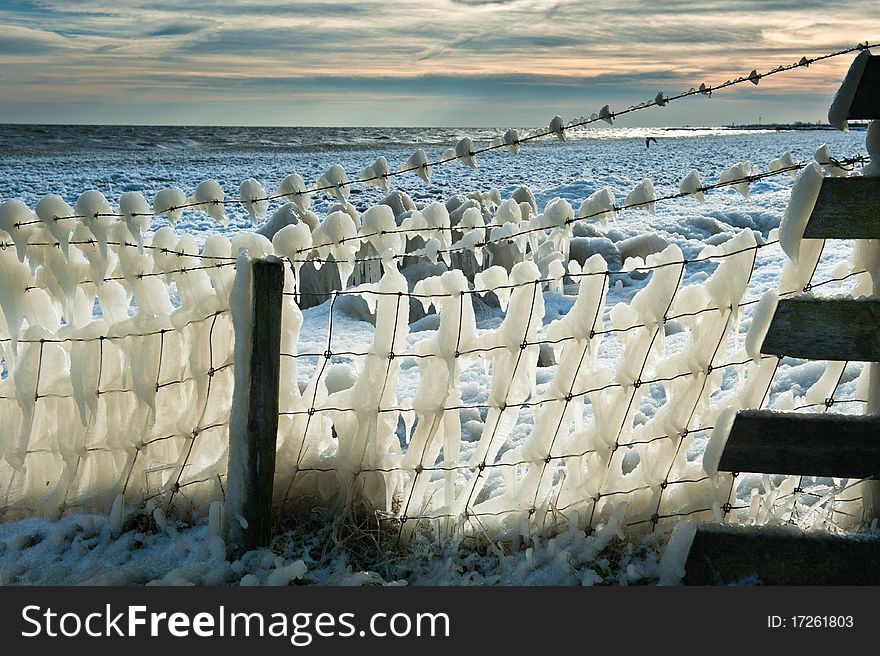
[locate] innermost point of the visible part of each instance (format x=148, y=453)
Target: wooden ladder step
x=833, y=445
x=722, y=555
x=846, y=208
x=845, y=329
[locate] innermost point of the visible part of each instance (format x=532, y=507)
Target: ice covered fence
x=118, y=366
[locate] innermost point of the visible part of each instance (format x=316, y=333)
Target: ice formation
x=464, y=151
x=839, y=110
x=872, y=142
x=784, y=161
x=376, y=174
x=293, y=188
x=739, y=175
x=334, y=182
x=693, y=186
x=418, y=162
x=557, y=127
x=797, y=213
x=170, y=202
x=254, y=199
x=208, y=198
x=642, y=197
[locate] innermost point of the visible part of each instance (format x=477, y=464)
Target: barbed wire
x=609, y=116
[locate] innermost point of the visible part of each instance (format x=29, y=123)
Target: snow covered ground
x=81, y=548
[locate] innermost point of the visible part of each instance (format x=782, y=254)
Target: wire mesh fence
x=118, y=368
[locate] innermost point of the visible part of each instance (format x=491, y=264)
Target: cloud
x=175, y=53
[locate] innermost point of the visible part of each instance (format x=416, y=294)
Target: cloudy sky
x=429, y=62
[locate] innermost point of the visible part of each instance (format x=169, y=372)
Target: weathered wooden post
x=827, y=445
x=253, y=427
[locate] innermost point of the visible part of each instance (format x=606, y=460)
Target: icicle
x=136, y=216
x=12, y=214
x=57, y=216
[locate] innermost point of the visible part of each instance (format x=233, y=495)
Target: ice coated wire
x=657, y=102
x=176, y=486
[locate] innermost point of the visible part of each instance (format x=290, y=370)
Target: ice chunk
x=754, y=77
x=464, y=151
x=511, y=140
x=829, y=163
x=208, y=198
x=418, y=163
x=800, y=206
x=642, y=197
x=605, y=115
x=557, y=127
x=784, y=161
x=256, y=245
x=294, y=189
x=379, y=229
x=693, y=186
x=738, y=177
x=599, y=206
x=136, y=215
x=57, y=216
x=376, y=174
x=839, y=110
x=334, y=182
x=660, y=100
x=255, y=199
x=170, y=203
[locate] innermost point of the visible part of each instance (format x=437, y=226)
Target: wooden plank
x=721, y=555
x=253, y=471
x=846, y=208
x=825, y=330
x=866, y=102
x=767, y=442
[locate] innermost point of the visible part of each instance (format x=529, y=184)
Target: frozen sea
x=67, y=160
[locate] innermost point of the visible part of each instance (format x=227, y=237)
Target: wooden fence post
x=253, y=437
